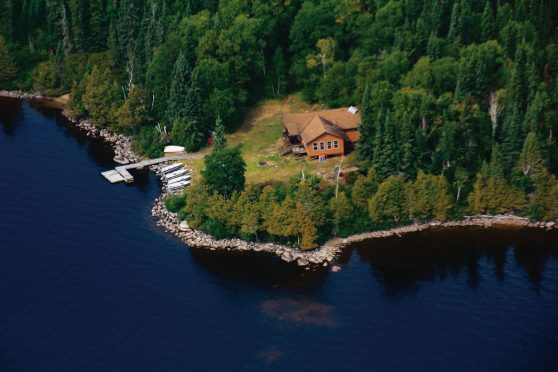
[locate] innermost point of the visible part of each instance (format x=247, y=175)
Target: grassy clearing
x=260, y=138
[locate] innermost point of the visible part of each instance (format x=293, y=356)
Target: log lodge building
x=321, y=134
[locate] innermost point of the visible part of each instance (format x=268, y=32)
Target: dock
x=121, y=174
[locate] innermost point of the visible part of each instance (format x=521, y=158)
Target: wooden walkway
x=121, y=173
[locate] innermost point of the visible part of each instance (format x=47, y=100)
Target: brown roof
x=319, y=126
x=341, y=117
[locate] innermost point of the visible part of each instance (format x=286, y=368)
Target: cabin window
x=329, y=145
x=315, y=146
x=335, y=144
x=322, y=145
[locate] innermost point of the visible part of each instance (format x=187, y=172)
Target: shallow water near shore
x=88, y=282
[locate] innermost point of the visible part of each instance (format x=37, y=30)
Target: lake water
x=89, y=283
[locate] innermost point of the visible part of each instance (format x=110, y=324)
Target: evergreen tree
x=544, y=201
x=97, y=31
x=388, y=159
x=442, y=201
x=433, y=48
x=511, y=137
x=488, y=22
x=180, y=81
x=477, y=198
x=8, y=67
x=531, y=160
x=220, y=140
x=366, y=128
x=191, y=130
x=496, y=168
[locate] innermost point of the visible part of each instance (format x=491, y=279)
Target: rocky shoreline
x=121, y=144
x=22, y=95
x=327, y=253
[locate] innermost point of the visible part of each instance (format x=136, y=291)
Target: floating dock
x=121, y=174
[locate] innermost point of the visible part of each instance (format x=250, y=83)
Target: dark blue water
x=88, y=283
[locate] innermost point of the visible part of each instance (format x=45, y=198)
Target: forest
x=459, y=99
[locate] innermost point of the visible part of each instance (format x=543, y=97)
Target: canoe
x=178, y=173
x=178, y=179
x=173, y=149
x=171, y=168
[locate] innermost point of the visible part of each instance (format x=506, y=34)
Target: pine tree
x=531, y=161
x=433, y=49
x=220, y=140
x=116, y=52
x=518, y=85
x=97, y=31
x=544, y=202
x=388, y=162
x=476, y=197
x=442, y=201
x=366, y=128
x=455, y=30
x=408, y=149
x=511, y=137
x=8, y=67
x=180, y=81
x=488, y=22
x=496, y=168
x=191, y=131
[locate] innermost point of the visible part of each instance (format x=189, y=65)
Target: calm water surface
x=88, y=283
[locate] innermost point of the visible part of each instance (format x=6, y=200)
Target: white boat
x=171, y=168
x=178, y=179
x=173, y=149
x=174, y=174
x=177, y=185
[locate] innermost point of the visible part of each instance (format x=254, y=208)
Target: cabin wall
x=353, y=134
x=325, y=138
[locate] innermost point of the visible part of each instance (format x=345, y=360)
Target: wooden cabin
x=321, y=134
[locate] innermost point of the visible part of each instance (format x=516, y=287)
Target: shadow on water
x=400, y=264
x=10, y=109
x=261, y=270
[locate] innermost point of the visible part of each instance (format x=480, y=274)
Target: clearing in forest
x=260, y=138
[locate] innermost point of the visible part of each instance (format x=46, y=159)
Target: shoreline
x=327, y=253
x=323, y=255
x=120, y=143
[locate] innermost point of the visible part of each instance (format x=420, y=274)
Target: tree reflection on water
x=400, y=264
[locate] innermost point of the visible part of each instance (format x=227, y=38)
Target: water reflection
x=10, y=109
x=259, y=270
x=400, y=264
